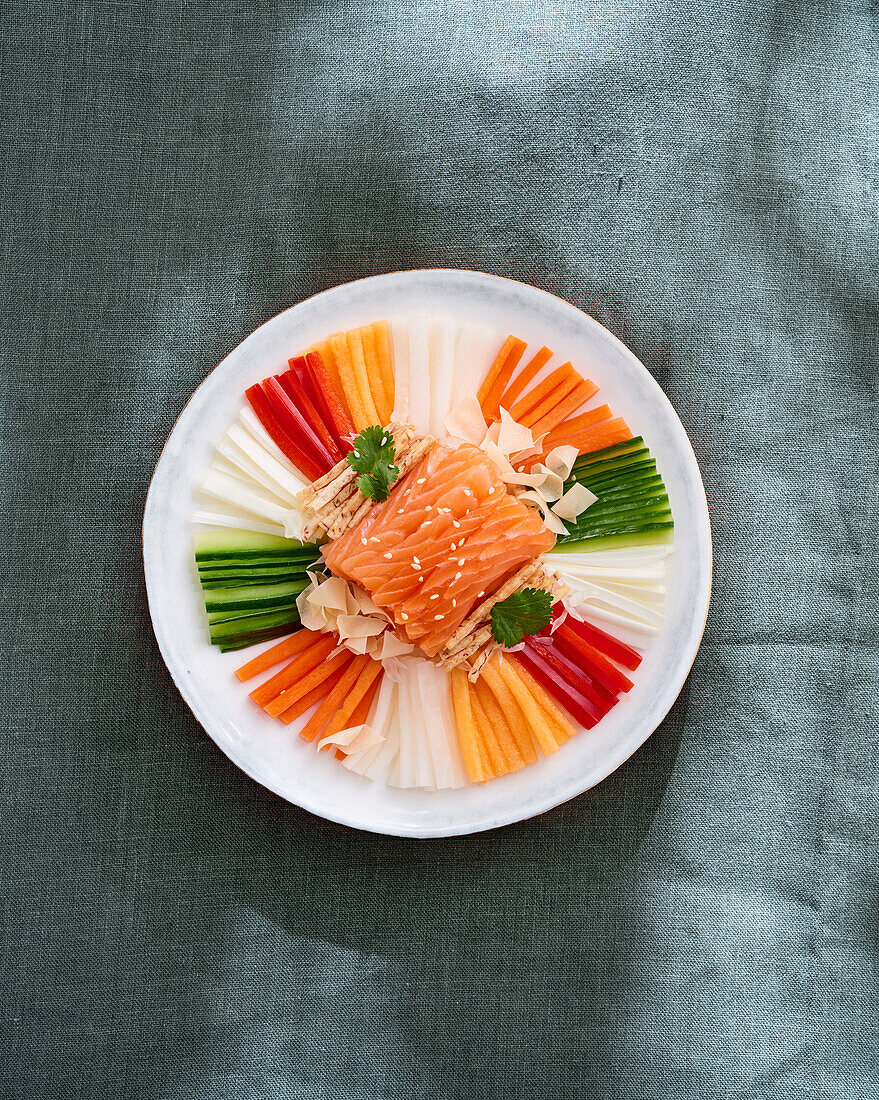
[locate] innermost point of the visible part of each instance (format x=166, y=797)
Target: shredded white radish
x=400, y=341
x=442, y=366
x=289, y=485
x=232, y=491
x=434, y=690
x=238, y=522
x=419, y=372
x=473, y=357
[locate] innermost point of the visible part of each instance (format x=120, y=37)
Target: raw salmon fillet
x=448, y=535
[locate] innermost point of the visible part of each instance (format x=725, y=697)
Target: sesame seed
x=421, y=578
x=458, y=575
x=404, y=616
x=372, y=538
x=421, y=481
x=384, y=440
x=388, y=556
x=400, y=511
x=468, y=492
x=478, y=594
x=461, y=561
x=435, y=596
x=428, y=507
x=490, y=490
x=416, y=558
x=437, y=618
x=454, y=603
x=455, y=523
x=357, y=453
x=454, y=547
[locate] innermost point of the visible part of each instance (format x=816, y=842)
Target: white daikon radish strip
x=231, y=460
x=419, y=372
x=404, y=774
x=442, y=372
x=646, y=593
x=602, y=557
x=237, y=522
x=379, y=715
x=280, y=473
x=436, y=704
x=386, y=759
x=596, y=594
x=425, y=776
x=400, y=343
x=591, y=612
x=248, y=420
x=232, y=491
x=474, y=354
x=626, y=575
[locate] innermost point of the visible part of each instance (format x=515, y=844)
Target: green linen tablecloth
x=702, y=178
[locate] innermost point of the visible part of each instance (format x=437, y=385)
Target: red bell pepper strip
x=300, y=459
x=576, y=704
x=580, y=678
x=588, y=657
x=293, y=422
x=328, y=400
x=611, y=647
x=293, y=385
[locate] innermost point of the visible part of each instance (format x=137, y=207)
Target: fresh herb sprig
x=373, y=458
x=525, y=612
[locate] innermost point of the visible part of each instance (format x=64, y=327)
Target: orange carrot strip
x=539, y=393
x=302, y=663
x=322, y=690
x=559, y=394
x=569, y=403
x=341, y=720
x=543, y=732
x=354, y=337
x=562, y=730
x=495, y=764
x=382, y=333
x=340, y=690
x=325, y=351
x=289, y=647
x=525, y=377
x=304, y=684
x=511, y=710
x=489, y=394
x=576, y=424
x=601, y=435
x=468, y=738
x=500, y=727
x=359, y=714
x=348, y=380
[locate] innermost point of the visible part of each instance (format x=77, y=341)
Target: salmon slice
x=448, y=535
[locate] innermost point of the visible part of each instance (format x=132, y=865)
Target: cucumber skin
x=257, y=596
x=252, y=624
x=648, y=536
x=233, y=541
x=636, y=443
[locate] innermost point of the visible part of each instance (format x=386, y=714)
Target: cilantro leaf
x=525, y=612
x=373, y=458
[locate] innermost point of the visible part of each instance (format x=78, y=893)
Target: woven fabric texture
x=701, y=177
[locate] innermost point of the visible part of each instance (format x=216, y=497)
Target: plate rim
x=416, y=829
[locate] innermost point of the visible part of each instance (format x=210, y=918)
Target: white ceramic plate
x=272, y=753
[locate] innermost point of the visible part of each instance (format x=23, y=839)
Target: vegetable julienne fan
x=463, y=553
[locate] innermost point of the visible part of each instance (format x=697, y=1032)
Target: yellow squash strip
x=500, y=727
x=518, y=723
x=467, y=735
x=558, y=720
x=325, y=351
x=382, y=333
x=348, y=381
x=373, y=374
x=361, y=376
x=543, y=732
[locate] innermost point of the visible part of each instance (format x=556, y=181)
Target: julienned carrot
x=382, y=332
x=569, y=403
x=510, y=709
x=600, y=436
x=342, y=718
x=348, y=380
x=576, y=424
x=336, y=696
x=543, y=731
x=301, y=663
x=303, y=462
x=561, y=393
x=500, y=727
x=495, y=762
x=354, y=338
x=289, y=647
x=525, y=377
x=539, y=393
x=323, y=689
x=306, y=683
x=468, y=738
x=498, y=376
x=324, y=352
x=360, y=713
x=329, y=397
